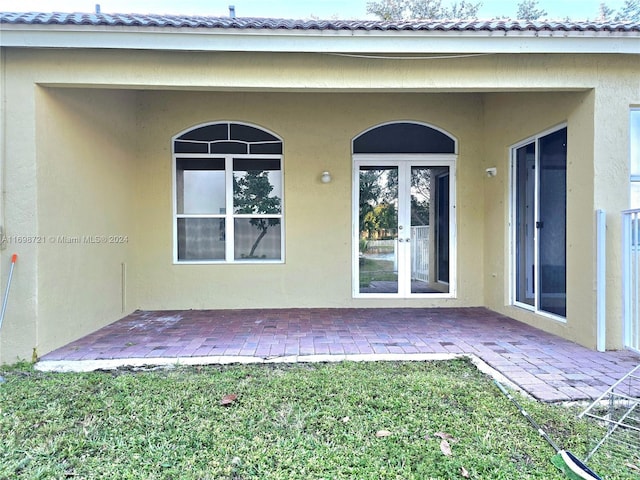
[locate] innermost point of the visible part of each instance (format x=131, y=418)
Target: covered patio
x=546, y=366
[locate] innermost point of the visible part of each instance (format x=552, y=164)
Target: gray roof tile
x=180, y=21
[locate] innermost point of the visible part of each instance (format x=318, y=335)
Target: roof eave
x=306, y=41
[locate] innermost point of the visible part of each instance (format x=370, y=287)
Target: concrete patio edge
x=79, y=366
x=546, y=366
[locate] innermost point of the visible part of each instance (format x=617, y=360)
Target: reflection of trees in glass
x=251, y=196
x=370, y=191
x=378, y=195
x=420, y=196
x=382, y=218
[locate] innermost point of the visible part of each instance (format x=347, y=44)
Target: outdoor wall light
x=491, y=172
x=326, y=177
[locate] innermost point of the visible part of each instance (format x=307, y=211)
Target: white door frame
x=404, y=161
x=535, y=139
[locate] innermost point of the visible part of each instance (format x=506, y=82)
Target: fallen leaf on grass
x=345, y=419
x=633, y=467
x=443, y=435
x=383, y=433
x=228, y=399
x=445, y=448
x=463, y=472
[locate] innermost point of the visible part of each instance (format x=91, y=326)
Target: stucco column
x=611, y=171
x=19, y=335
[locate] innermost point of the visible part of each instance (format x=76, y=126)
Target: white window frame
x=229, y=216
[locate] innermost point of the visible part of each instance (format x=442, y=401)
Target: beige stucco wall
x=228, y=71
x=611, y=171
x=19, y=329
x=317, y=130
x=86, y=168
x=512, y=118
x=95, y=159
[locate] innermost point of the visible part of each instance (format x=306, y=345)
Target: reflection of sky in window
x=275, y=179
x=634, y=147
x=203, y=192
x=635, y=195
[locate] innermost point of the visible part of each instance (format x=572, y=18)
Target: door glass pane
x=378, y=227
x=552, y=223
x=442, y=227
x=429, y=229
x=525, y=223
x=421, y=181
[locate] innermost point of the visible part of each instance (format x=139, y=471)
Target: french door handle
x=539, y=224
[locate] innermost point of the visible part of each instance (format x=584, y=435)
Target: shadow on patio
x=546, y=366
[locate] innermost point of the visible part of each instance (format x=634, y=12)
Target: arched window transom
x=404, y=137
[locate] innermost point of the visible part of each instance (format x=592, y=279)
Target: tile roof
x=180, y=21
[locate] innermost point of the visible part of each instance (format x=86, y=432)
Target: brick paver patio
x=546, y=366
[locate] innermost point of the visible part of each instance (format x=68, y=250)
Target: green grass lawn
x=373, y=270
x=306, y=421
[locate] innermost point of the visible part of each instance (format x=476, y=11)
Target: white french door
x=404, y=225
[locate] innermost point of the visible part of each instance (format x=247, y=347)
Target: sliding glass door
x=539, y=223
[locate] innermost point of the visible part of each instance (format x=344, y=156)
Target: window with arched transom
x=228, y=194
